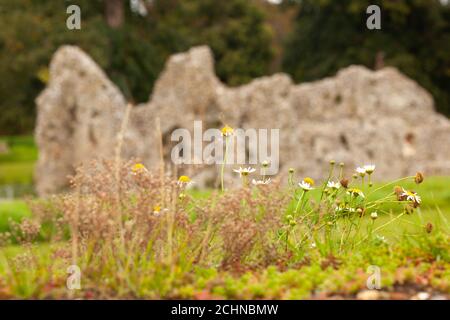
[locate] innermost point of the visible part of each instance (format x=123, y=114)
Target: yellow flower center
x=138, y=167
x=309, y=180
x=184, y=179
x=156, y=208
x=226, y=131
x=410, y=193
x=354, y=191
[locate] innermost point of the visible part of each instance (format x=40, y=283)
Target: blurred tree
x=30, y=32
x=114, y=12
x=415, y=37
x=130, y=39
x=234, y=29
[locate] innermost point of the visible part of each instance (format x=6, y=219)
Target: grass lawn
x=12, y=209
x=17, y=165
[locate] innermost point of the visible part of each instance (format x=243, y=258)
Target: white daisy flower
x=244, y=171
x=260, y=182
x=355, y=192
x=411, y=196
x=305, y=186
x=369, y=168
x=361, y=171
x=333, y=185
x=184, y=181
x=374, y=215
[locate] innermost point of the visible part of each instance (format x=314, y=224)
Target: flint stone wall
x=358, y=116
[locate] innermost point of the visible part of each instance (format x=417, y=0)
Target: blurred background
x=131, y=39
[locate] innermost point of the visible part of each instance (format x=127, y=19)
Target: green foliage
x=14, y=210
x=415, y=37
x=132, y=55
x=17, y=164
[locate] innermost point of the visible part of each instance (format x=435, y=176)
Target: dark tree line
x=131, y=40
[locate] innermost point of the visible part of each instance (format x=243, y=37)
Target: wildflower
x=374, y=215
x=361, y=171
x=418, y=178
x=411, y=196
x=307, y=184
x=243, y=172
x=332, y=162
x=184, y=181
x=137, y=168
x=260, y=182
x=291, y=170
x=341, y=164
x=369, y=168
x=355, y=192
x=333, y=185
x=227, y=131
x=344, y=208
x=156, y=210
x=265, y=164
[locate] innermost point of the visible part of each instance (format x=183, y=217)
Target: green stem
x=390, y=183
x=299, y=200
x=223, y=165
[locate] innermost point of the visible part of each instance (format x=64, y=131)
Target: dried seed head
x=418, y=178
x=429, y=227
x=360, y=211
x=398, y=191
x=344, y=183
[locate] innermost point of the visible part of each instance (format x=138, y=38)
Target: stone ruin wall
x=358, y=116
